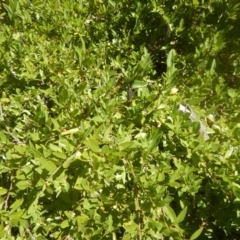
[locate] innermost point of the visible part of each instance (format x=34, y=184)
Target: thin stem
x=8, y=196
x=137, y=205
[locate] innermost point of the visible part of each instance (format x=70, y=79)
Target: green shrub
x=92, y=142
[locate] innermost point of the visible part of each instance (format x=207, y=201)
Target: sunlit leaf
x=182, y=215
x=138, y=84
x=93, y=145
x=3, y=191
x=170, y=213
x=196, y=234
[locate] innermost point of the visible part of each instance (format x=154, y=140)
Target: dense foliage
x=92, y=145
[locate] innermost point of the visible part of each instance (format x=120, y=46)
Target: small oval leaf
x=196, y=234
x=170, y=213
x=182, y=215
x=138, y=84
x=92, y=144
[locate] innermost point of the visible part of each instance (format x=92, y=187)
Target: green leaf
x=83, y=48
x=232, y=93
x=3, y=137
x=138, y=84
x=196, y=234
x=86, y=204
x=3, y=191
x=48, y=165
x=211, y=110
x=55, y=148
x=130, y=227
x=71, y=131
x=23, y=184
x=82, y=183
x=82, y=86
x=165, y=201
x=127, y=236
x=55, y=124
x=213, y=67
x=161, y=177
x=170, y=58
x=126, y=145
x=182, y=215
x=63, y=96
x=20, y=149
x=15, y=216
x=195, y=2
x=69, y=160
x=3, y=232
x=170, y=213
x=64, y=224
x=92, y=144
x=34, y=151
x=82, y=219
x=196, y=101
x=60, y=155
x=16, y=204
x=156, y=224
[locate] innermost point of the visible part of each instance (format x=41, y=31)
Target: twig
x=1, y=112
x=138, y=212
x=17, y=141
x=30, y=234
x=8, y=196
x=137, y=205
